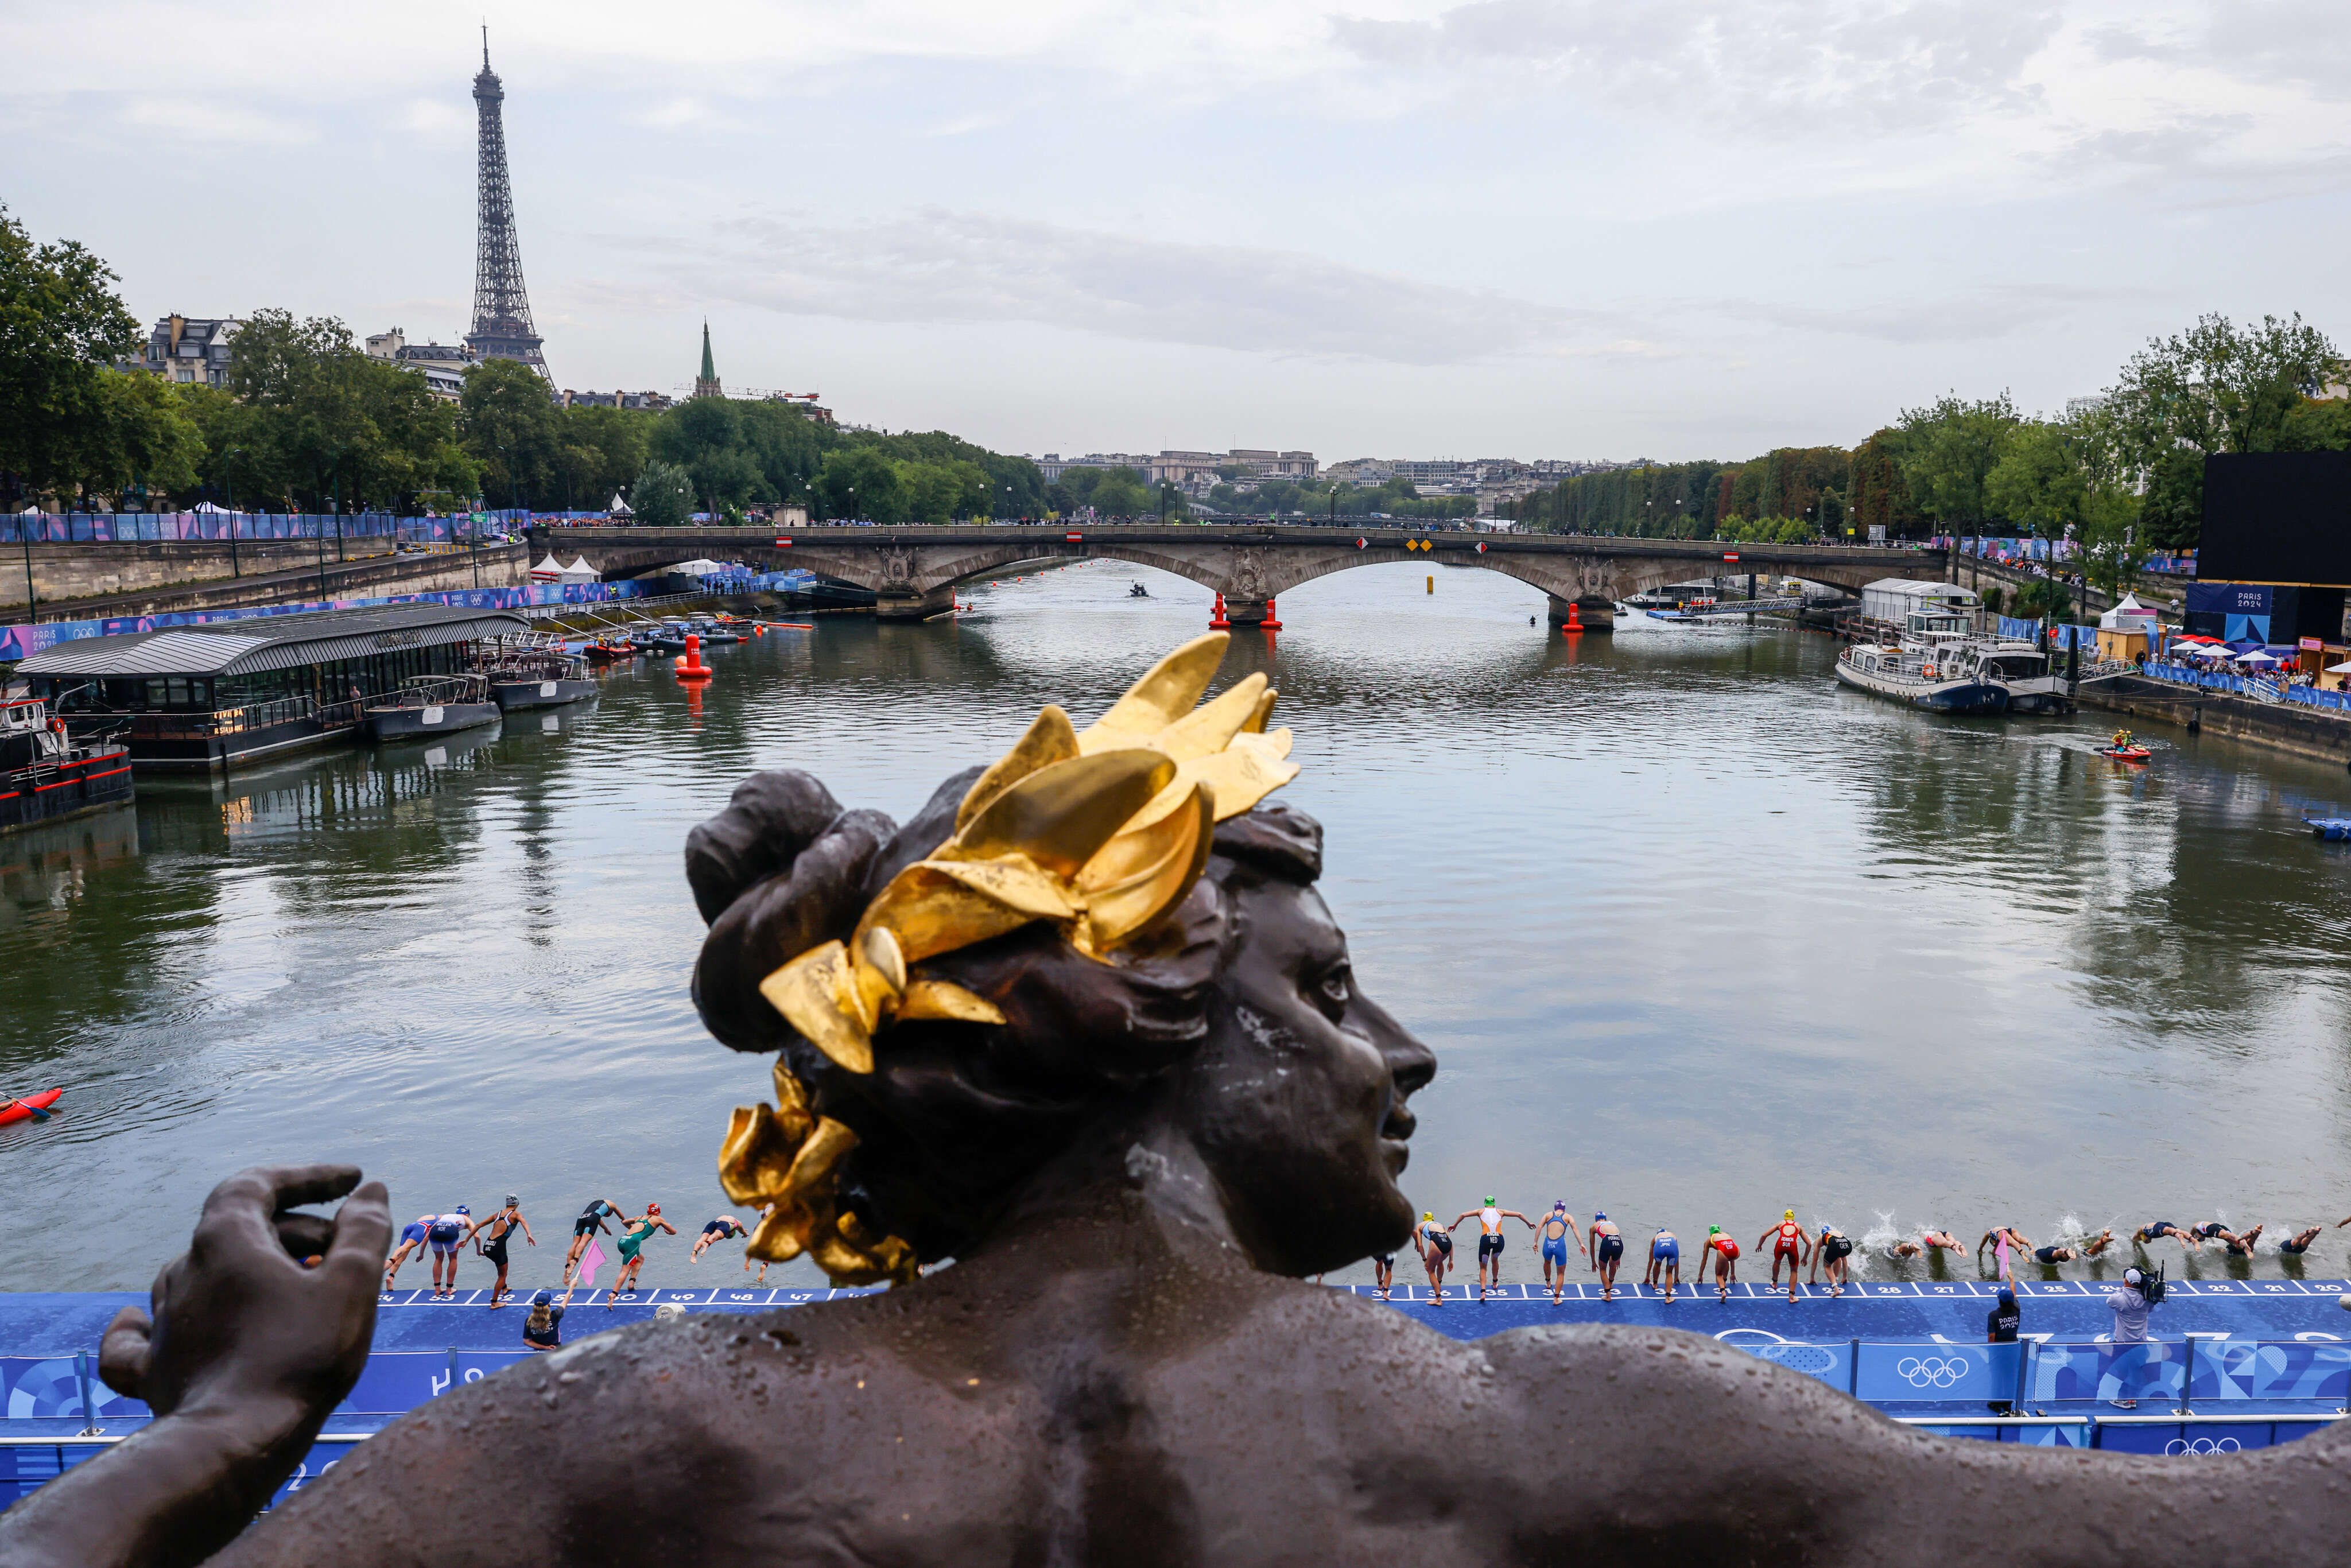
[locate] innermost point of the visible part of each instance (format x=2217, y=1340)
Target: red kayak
x=22, y=1110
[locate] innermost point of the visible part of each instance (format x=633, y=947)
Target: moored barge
x=46, y=773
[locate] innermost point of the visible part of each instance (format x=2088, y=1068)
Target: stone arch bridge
x=914, y=571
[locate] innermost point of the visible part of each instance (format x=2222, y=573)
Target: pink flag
x=1998, y=1251
x=591, y=1260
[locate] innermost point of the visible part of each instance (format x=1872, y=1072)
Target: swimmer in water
x=1665, y=1262
x=2242, y=1246
x=2212, y=1230
x=2002, y=1239
x=1551, y=1237
x=1434, y=1245
x=1830, y=1253
x=2156, y=1230
x=1607, y=1252
x=1927, y=1242
x=2053, y=1255
x=2294, y=1246
x=726, y=1227
x=1490, y=1239
x=1786, y=1240
x=1725, y=1253
x=2095, y=1247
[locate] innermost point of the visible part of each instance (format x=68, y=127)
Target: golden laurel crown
x=1099, y=832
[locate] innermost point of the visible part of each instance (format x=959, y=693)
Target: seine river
x=1696, y=935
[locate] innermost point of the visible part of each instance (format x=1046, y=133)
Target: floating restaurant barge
x=203, y=697
x=46, y=774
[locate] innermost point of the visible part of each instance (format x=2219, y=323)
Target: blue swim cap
x=463, y=1209
x=1599, y=1217
x=543, y=1299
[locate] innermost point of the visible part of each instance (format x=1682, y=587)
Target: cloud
x=956, y=268
x=1993, y=310
x=1776, y=66
x=212, y=121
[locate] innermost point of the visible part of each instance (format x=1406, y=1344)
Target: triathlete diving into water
x=1434, y=1245
x=1607, y=1252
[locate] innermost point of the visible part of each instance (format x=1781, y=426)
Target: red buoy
x=1216, y=622
x=690, y=667
x=1270, y=624
x=1574, y=621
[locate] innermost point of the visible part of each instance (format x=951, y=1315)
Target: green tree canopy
x=1948, y=450
x=513, y=429
x=662, y=496
x=62, y=426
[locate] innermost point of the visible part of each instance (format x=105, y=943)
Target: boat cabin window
x=1931, y=620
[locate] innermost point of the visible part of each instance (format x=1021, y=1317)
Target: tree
x=1948, y=450
x=2213, y=387
x=139, y=434
x=662, y=496
x=2038, y=483
x=60, y=321
x=512, y=428
x=861, y=481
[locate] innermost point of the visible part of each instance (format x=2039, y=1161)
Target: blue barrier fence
x=193, y=528
x=2248, y=686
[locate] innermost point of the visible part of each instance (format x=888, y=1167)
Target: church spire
x=706, y=383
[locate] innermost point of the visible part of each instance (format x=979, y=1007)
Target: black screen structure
x=2276, y=516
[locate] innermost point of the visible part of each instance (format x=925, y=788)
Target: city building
x=190, y=349
x=443, y=365
x=705, y=385
x=653, y=402
x=1053, y=465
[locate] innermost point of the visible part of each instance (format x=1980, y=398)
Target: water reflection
x=1697, y=934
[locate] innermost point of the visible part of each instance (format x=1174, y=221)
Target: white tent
x=548, y=571
x=619, y=507
x=2130, y=615
x=580, y=571
x=699, y=567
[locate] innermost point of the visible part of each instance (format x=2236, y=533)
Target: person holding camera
x=2129, y=1303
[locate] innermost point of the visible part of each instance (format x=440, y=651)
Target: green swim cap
x=1489, y=1197
x=1714, y=1230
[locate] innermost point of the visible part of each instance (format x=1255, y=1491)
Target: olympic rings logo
x=1925, y=1373
x=2202, y=1447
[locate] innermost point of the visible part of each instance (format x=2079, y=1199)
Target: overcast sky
x=1563, y=228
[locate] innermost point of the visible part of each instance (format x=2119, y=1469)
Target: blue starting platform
x=2237, y=1364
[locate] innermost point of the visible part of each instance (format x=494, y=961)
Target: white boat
x=1927, y=677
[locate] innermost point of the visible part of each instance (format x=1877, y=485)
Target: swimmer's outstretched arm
x=259, y=1349
x=1514, y=1213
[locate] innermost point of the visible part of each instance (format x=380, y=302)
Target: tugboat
x=534, y=672
x=46, y=774
x=432, y=704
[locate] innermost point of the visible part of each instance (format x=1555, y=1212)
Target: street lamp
x=228, y=482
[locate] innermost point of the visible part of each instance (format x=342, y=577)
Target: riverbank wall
x=2315, y=733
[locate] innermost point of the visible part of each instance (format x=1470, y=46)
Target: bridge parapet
x=914, y=570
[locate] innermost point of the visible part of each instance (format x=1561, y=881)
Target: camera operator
x=2129, y=1303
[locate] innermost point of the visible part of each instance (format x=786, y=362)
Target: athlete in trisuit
x=634, y=1234
x=2002, y=1239
x=412, y=1239
x=501, y=1227
x=584, y=1229
x=2294, y=1246
x=1724, y=1251
x=2155, y=1231
x=726, y=1227
x=1552, y=1235
x=1929, y=1241
x=1434, y=1245
x=1786, y=1240
x=1607, y=1251
x=1830, y=1253
x=1665, y=1262
x=1490, y=1238
x=1384, y=1272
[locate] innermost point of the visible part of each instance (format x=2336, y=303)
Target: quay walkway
x=2239, y=1364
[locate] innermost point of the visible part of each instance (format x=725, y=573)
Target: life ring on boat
x=57, y=725
x=1930, y=672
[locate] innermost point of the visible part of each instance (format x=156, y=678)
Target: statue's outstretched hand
x=243, y=1317
x=259, y=1328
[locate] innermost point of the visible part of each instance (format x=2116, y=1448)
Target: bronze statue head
x=1102, y=936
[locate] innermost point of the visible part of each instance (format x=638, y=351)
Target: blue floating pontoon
x=2329, y=827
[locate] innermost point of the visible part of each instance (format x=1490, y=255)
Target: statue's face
x=1297, y=1098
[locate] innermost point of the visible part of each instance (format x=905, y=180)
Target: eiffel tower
x=502, y=324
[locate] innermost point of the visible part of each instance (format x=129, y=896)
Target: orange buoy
x=690, y=667
x=1574, y=621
